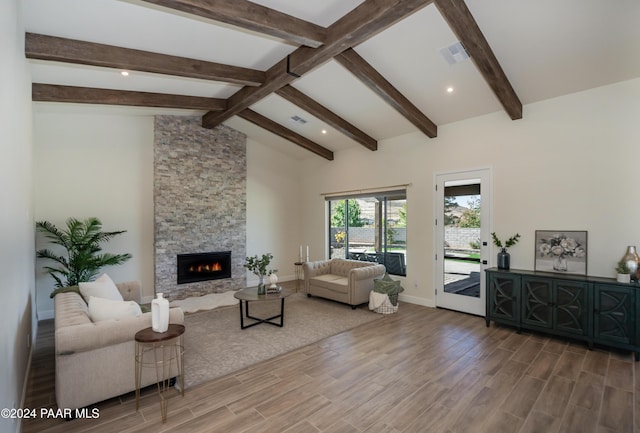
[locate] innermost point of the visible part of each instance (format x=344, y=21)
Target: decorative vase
x=504, y=259
x=632, y=260
x=261, y=287
x=160, y=314
x=273, y=279
x=560, y=263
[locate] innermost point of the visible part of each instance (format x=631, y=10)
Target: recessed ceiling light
x=324, y=131
x=449, y=89
x=124, y=73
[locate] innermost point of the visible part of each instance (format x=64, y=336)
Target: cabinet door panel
x=613, y=318
x=571, y=307
x=537, y=302
x=503, y=302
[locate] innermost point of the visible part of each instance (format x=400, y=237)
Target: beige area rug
x=215, y=345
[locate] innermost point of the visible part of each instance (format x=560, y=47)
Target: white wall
x=570, y=164
x=96, y=165
x=17, y=321
x=273, y=208
x=88, y=163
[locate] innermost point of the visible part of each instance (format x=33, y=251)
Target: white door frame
x=467, y=304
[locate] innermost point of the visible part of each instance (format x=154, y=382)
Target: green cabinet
x=593, y=309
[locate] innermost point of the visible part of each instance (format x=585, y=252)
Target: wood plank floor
x=420, y=370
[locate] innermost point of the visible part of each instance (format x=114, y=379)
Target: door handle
x=484, y=262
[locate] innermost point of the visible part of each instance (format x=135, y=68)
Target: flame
x=213, y=267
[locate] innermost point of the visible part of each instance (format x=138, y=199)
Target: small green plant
x=258, y=265
x=508, y=243
x=475, y=245
x=622, y=267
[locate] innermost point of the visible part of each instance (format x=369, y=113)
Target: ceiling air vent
x=299, y=120
x=454, y=53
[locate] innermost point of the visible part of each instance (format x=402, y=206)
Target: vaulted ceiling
x=313, y=77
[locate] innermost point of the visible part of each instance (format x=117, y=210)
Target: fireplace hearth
x=204, y=266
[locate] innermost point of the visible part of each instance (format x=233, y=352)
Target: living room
x=569, y=163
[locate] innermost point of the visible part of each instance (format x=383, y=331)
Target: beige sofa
x=347, y=281
x=95, y=361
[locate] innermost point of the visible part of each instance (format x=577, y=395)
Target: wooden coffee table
x=251, y=295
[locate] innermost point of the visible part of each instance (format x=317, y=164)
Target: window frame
x=395, y=261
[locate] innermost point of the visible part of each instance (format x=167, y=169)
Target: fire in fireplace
x=204, y=266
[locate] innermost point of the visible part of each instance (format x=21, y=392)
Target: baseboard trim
x=25, y=382
x=417, y=300
x=45, y=315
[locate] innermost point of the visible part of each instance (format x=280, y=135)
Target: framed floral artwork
x=562, y=251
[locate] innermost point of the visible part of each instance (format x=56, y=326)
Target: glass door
x=462, y=236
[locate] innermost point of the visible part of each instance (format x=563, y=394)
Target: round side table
x=165, y=352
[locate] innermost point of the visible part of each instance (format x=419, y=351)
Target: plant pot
x=504, y=259
x=624, y=278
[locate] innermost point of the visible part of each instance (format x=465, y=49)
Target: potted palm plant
x=83, y=255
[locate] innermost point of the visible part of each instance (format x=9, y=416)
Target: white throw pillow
x=102, y=287
x=107, y=309
x=104, y=278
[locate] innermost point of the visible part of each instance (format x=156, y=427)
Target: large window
x=370, y=227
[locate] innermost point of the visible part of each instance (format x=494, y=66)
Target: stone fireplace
x=199, y=202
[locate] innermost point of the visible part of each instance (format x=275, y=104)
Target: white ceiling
x=547, y=48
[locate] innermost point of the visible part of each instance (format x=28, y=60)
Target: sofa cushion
x=107, y=309
x=333, y=282
x=102, y=287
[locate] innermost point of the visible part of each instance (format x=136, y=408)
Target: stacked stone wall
x=200, y=183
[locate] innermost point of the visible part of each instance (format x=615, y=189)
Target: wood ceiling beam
x=378, y=84
x=298, y=98
x=363, y=22
x=53, y=48
x=287, y=134
x=466, y=29
x=251, y=16
x=88, y=95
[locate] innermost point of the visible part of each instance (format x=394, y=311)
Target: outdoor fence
x=366, y=236
x=461, y=237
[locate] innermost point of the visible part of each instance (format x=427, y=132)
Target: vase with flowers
x=504, y=258
x=559, y=247
x=258, y=265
